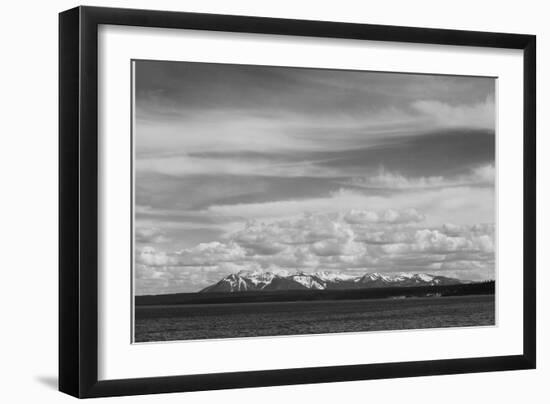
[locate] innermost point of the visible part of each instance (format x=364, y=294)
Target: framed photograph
x=250, y=201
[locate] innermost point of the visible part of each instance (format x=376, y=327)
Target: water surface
x=228, y=320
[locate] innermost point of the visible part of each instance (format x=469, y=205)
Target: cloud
x=174, y=279
x=384, y=179
x=197, y=165
x=204, y=254
x=338, y=247
x=151, y=257
x=464, y=204
x=205, y=107
x=484, y=174
x=149, y=235
x=385, y=241
x=358, y=216
x=437, y=242
x=477, y=115
x=473, y=270
x=211, y=253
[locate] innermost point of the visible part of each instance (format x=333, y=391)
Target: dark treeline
x=481, y=288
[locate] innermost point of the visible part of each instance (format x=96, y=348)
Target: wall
x=28, y=166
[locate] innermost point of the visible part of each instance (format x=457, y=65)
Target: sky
x=259, y=168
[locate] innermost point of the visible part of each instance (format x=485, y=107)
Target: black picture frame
x=78, y=201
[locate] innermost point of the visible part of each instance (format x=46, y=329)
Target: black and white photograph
x=334, y=202
x=284, y=201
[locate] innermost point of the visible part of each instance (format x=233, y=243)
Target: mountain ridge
x=268, y=281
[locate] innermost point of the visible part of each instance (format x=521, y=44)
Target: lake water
x=204, y=321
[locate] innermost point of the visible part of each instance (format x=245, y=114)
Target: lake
x=229, y=320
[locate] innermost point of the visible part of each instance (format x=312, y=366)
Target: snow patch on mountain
x=425, y=278
x=308, y=281
x=333, y=276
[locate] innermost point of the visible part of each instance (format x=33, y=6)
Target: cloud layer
x=283, y=169
x=356, y=241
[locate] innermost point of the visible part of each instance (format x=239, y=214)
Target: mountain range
x=269, y=281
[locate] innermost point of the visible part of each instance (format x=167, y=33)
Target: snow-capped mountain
x=268, y=281
x=242, y=281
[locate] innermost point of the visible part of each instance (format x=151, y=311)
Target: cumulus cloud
x=358, y=216
x=338, y=247
x=474, y=270
x=212, y=252
x=151, y=257
x=436, y=241
x=355, y=241
x=149, y=235
x=204, y=254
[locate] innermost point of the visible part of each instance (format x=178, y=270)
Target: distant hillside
x=305, y=294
